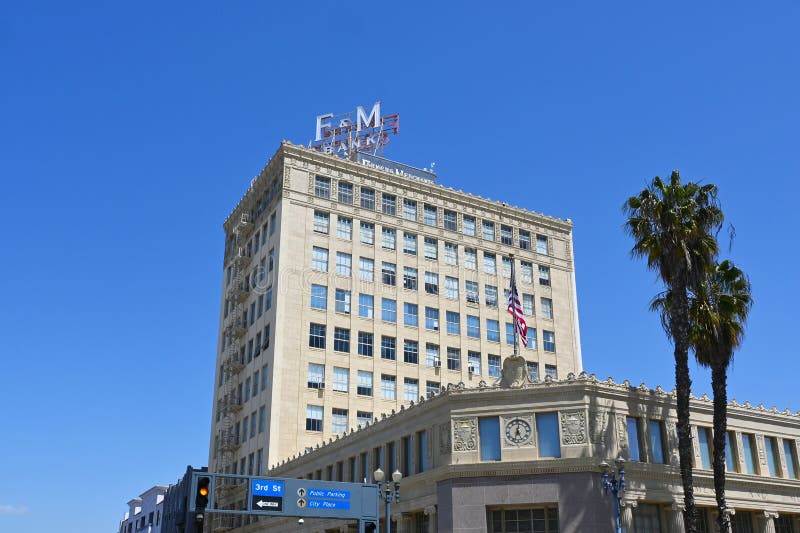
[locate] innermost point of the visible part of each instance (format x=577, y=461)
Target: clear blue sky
x=129, y=132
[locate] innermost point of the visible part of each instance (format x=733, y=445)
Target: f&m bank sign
x=357, y=131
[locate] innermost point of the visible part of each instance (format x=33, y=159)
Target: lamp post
x=387, y=493
x=614, y=481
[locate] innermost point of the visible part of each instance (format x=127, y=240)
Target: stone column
x=430, y=512
x=766, y=522
x=398, y=519
x=675, y=518
x=626, y=514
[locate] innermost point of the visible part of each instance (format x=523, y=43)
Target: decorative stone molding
x=465, y=434
x=515, y=372
x=598, y=425
x=573, y=427
x=622, y=434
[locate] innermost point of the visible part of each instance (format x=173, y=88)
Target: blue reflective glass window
x=489, y=434
x=729, y=464
x=749, y=453
x=633, y=438
x=547, y=431
x=656, y=440
x=704, y=439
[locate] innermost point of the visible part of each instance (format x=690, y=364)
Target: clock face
x=518, y=431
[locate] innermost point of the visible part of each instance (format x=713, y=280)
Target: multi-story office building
x=350, y=289
x=144, y=513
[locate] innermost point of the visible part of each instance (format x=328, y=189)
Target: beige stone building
x=350, y=290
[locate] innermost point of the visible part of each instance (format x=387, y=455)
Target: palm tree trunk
x=719, y=379
x=683, y=384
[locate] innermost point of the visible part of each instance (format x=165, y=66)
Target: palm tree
x=719, y=311
x=674, y=227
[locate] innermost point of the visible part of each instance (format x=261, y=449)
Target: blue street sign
x=267, y=487
x=329, y=494
x=328, y=504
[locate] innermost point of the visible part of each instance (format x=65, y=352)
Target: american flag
x=515, y=310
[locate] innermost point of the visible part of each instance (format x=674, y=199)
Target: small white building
x=144, y=513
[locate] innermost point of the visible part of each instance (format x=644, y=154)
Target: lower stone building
x=525, y=458
x=144, y=513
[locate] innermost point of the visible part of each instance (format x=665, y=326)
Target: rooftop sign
x=346, y=134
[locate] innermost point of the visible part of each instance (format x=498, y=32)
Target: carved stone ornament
x=622, y=432
x=573, y=427
x=515, y=372
x=465, y=434
x=598, y=425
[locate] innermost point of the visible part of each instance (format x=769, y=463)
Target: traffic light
x=371, y=527
x=201, y=497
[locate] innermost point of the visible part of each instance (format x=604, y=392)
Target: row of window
x=409, y=210
x=344, y=260
x=250, y=350
x=317, y=334
x=249, y=389
x=343, y=297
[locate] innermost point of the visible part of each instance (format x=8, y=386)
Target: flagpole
x=514, y=313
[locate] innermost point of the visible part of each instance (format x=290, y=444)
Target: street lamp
x=387, y=493
x=614, y=481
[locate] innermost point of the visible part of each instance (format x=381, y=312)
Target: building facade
x=350, y=290
x=145, y=512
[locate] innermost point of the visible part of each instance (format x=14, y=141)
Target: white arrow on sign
x=262, y=503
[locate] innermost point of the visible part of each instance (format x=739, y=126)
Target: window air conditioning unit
x=435, y=325
x=437, y=363
x=471, y=369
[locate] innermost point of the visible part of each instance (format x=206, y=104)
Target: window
x=342, y=301
x=364, y=383
x=341, y=379
x=544, y=275
x=365, y=343
x=411, y=352
x=474, y=362
x=790, y=452
x=532, y=339
x=453, y=320
x=365, y=305
x=322, y=222
x=431, y=354
x=473, y=327
x=406, y=454
x=494, y=366
x=749, y=449
x=547, y=433
x=471, y=291
x=509, y=333
x=410, y=314
x=488, y=230
x=492, y=330
x=506, y=235
x=656, y=430
x=546, y=308
x=533, y=370
x=773, y=456
x=346, y=193
x=646, y=517
x=344, y=228
x=471, y=258
x=783, y=524
x=491, y=295
x=432, y=318
x=549, y=340
x=322, y=187
x=431, y=283
x=742, y=522
x=429, y=215
x=451, y=287
x=368, y=198
x=410, y=389
x=319, y=259
x=431, y=248
x=410, y=278
x=388, y=348
x=389, y=204
x=366, y=269
x=313, y=418
x=388, y=387
x=389, y=273
x=540, y=520
x=507, y=262
x=489, y=436
x=338, y=422
x=432, y=387
x=316, y=336
x=272, y=222
x=409, y=209
x=453, y=358
x=409, y=243
x=363, y=418
x=527, y=304
x=367, y=233
x=489, y=263
x=551, y=370
x=632, y=427
x=524, y=239
x=450, y=253
x=526, y=271
x=319, y=297
x=255, y=383
x=264, y=377
x=389, y=238
x=450, y=220
x=344, y=264
x=262, y=419
x=469, y=225
x=272, y=259
x=730, y=452
x=247, y=389
x=541, y=244
x=341, y=340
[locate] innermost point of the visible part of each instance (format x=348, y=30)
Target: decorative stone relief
x=465, y=434
x=622, y=433
x=444, y=438
x=573, y=427
x=287, y=178
x=598, y=425
x=762, y=456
